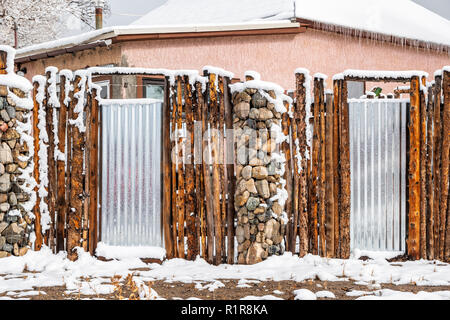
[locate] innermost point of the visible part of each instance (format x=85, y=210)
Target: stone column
x=16, y=151
x=260, y=190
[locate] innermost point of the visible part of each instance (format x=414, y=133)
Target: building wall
x=74, y=61
x=276, y=57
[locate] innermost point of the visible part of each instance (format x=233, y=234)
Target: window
x=153, y=89
x=355, y=89
x=104, y=93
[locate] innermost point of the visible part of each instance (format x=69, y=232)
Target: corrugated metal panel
x=131, y=174
x=378, y=174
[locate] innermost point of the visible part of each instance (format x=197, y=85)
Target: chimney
x=99, y=4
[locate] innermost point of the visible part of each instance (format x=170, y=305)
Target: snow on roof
x=399, y=18
x=111, y=32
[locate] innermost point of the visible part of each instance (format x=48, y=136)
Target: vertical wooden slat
x=344, y=153
x=293, y=221
x=222, y=168
x=336, y=125
x=286, y=149
x=206, y=146
x=315, y=172
x=191, y=212
x=429, y=175
x=167, y=175
x=86, y=157
x=322, y=170
x=214, y=113
x=229, y=149
x=303, y=188
x=180, y=169
x=445, y=168
x=74, y=215
x=93, y=173
x=174, y=158
x=414, y=172
x=329, y=177
x=61, y=203
x=36, y=211
x=437, y=162
x=423, y=176
x=51, y=198
x=205, y=180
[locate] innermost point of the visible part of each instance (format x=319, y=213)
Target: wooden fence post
x=414, y=172
x=329, y=167
x=36, y=211
x=303, y=178
x=429, y=174
x=191, y=212
x=74, y=225
x=423, y=176
x=167, y=175
x=61, y=203
x=445, y=166
x=437, y=162
x=344, y=141
x=286, y=149
x=229, y=150
x=336, y=150
x=93, y=171
x=322, y=178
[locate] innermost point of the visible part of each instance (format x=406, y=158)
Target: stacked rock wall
x=16, y=183
x=260, y=189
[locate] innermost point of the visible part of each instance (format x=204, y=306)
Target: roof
x=104, y=36
x=399, y=18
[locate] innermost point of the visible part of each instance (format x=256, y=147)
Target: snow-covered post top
x=17, y=195
x=260, y=195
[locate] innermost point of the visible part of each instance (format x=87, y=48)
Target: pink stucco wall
x=276, y=57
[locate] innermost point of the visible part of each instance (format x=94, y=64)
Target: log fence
x=198, y=169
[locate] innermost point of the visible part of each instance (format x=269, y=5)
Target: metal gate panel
x=131, y=173
x=378, y=174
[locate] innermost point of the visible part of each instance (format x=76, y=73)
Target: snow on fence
x=202, y=177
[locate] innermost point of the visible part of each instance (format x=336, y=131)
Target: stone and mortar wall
x=16, y=219
x=259, y=207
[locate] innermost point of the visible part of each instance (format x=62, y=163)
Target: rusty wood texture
x=315, y=173
x=3, y=61
x=167, y=175
x=229, y=156
x=180, y=198
x=336, y=187
x=51, y=170
x=192, y=240
x=199, y=167
x=61, y=203
x=437, y=162
x=423, y=175
x=286, y=149
x=174, y=159
x=207, y=181
x=93, y=171
x=344, y=153
x=318, y=84
x=300, y=109
x=329, y=175
x=87, y=165
x=216, y=185
x=429, y=177
x=222, y=167
x=36, y=211
x=413, y=241
x=444, y=207
x=74, y=217
x=292, y=225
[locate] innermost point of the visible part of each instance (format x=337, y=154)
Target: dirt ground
x=178, y=290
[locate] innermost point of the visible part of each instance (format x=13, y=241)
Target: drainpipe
x=16, y=42
x=99, y=4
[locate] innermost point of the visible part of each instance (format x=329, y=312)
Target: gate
x=378, y=174
x=131, y=172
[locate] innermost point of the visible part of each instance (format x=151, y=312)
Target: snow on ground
x=89, y=276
